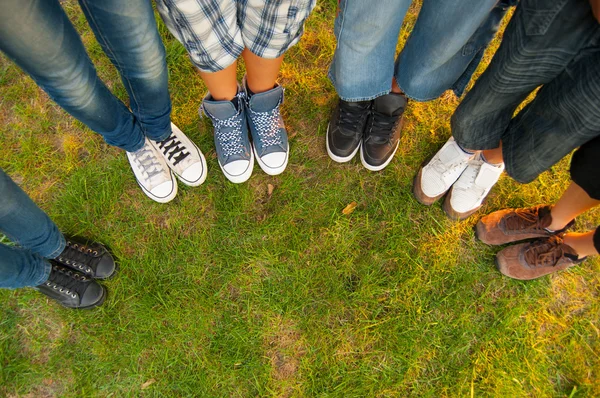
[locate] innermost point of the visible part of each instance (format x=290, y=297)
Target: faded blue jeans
x=39, y=37
x=442, y=52
x=37, y=236
x=554, y=44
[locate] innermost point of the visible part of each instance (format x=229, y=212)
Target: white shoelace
x=145, y=159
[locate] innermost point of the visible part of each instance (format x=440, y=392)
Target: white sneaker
x=467, y=194
x=152, y=173
x=183, y=157
x=435, y=178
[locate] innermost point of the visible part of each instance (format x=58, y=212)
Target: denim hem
x=162, y=137
x=61, y=246
x=412, y=97
x=135, y=147
x=46, y=274
x=356, y=99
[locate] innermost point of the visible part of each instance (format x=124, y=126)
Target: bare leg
x=572, y=203
x=395, y=87
x=261, y=72
x=582, y=243
x=222, y=85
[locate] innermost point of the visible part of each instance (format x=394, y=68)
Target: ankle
x=582, y=243
x=557, y=223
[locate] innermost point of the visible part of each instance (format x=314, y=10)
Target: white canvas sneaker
x=152, y=173
x=183, y=157
x=467, y=194
x=437, y=176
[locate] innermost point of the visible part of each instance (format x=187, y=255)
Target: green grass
x=231, y=292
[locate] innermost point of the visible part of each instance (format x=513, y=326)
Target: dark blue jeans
x=27, y=225
x=554, y=44
x=39, y=37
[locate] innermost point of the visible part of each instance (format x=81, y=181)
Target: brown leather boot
x=535, y=259
x=511, y=225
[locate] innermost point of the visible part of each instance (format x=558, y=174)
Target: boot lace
x=268, y=125
x=66, y=281
x=351, y=116
x=382, y=127
x=146, y=159
x=545, y=252
x=525, y=219
x=229, y=131
x=80, y=256
x=173, y=149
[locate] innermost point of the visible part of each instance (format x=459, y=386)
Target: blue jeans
x=38, y=238
x=554, y=44
x=39, y=37
x=443, y=50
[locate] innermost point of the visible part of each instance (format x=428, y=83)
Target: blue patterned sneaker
x=269, y=138
x=231, y=137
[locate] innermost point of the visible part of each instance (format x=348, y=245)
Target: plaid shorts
x=215, y=32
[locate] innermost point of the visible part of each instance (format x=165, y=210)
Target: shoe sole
x=202, y=177
x=272, y=171
x=380, y=167
x=453, y=214
x=339, y=159
x=238, y=179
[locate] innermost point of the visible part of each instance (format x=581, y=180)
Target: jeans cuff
x=45, y=274
x=61, y=246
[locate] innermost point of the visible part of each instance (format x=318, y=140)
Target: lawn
x=267, y=288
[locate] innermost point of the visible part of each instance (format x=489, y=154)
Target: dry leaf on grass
x=350, y=208
x=270, y=189
x=148, y=384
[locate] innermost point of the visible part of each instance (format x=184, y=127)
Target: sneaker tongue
x=390, y=105
x=220, y=109
x=267, y=101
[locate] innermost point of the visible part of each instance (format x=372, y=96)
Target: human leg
x=534, y=51
x=209, y=31
x=362, y=70
x=39, y=240
x=269, y=29
x=128, y=35
x=444, y=41
x=39, y=37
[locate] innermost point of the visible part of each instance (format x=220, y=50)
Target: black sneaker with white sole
x=183, y=157
x=89, y=258
x=382, y=133
x=72, y=289
x=345, y=129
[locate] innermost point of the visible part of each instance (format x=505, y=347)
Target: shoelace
x=173, y=148
x=147, y=162
x=544, y=253
x=229, y=134
x=66, y=281
x=350, y=117
x=467, y=178
x=267, y=125
x=526, y=219
x=80, y=256
x=382, y=127
x=445, y=169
